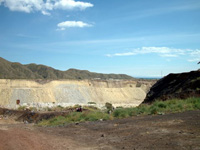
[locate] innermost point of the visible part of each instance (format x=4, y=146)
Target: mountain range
x=15, y=70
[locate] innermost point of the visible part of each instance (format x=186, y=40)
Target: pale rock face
x=72, y=92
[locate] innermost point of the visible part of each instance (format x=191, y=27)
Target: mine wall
x=43, y=93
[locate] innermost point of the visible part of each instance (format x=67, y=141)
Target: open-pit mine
x=50, y=93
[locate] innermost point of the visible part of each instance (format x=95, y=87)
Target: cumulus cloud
x=70, y=24
x=23, y=5
x=71, y=4
x=44, y=6
x=190, y=54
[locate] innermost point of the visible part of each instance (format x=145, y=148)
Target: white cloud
x=46, y=13
x=71, y=4
x=23, y=5
x=121, y=54
x=44, y=6
x=190, y=54
x=195, y=56
x=69, y=24
x=169, y=55
x=162, y=51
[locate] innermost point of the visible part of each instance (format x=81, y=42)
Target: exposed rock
x=180, y=86
x=42, y=86
x=71, y=92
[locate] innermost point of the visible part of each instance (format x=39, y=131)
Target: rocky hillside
x=10, y=70
x=175, y=86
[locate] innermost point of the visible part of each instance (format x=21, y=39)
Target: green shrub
x=91, y=103
x=162, y=105
x=124, y=112
x=22, y=108
x=76, y=117
x=143, y=109
x=116, y=113
x=33, y=109
x=120, y=113
x=49, y=109
x=153, y=110
x=96, y=116
x=91, y=108
x=108, y=106
x=158, y=107
x=119, y=107
x=59, y=120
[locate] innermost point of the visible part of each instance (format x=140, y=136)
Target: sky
x=141, y=38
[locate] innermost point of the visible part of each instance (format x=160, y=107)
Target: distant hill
x=179, y=86
x=13, y=70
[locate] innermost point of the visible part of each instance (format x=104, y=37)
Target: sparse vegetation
x=138, y=84
x=76, y=117
x=91, y=103
x=91, y=108
x=109, y=107
x=159, y=107
x=32, y=108
x=194, y=80
x=21, y=108
x=94, y=114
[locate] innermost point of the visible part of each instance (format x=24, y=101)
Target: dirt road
x=171, y=131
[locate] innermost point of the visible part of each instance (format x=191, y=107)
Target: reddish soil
x=171, y=131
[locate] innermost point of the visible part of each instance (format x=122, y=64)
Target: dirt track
x=172, y=131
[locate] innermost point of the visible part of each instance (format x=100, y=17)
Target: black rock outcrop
x=179, y=86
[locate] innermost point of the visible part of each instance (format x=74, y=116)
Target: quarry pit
x=50, y=93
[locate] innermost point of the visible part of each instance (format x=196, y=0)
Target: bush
x=142, y=109
x=33, y=109
x=153, y=110
x=49, y=109
x=162, y=105
x=125, y=112
x=120, y=113
x=22, y=108
x=97, y=116
x=91, y=103
x=108, y=106
x=91, y=108
x=119, y=107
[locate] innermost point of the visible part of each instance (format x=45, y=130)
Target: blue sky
x=141, y=38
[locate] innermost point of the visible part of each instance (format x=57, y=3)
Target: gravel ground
x=172, y=131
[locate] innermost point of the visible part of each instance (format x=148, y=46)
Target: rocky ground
x=171, y=131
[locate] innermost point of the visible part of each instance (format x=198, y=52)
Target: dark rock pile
x=179, y=86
